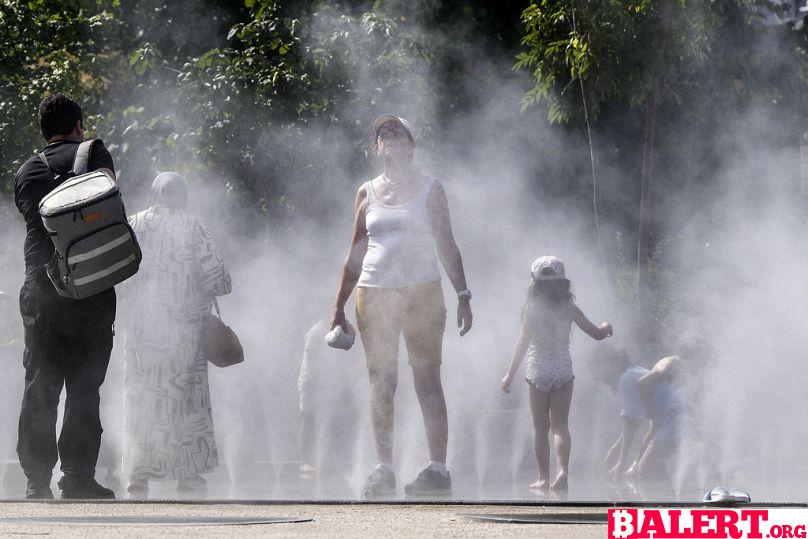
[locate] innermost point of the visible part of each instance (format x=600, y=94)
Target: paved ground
x=328, y=520
x=259, y=481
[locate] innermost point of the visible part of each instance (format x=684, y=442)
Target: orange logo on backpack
x=93, y=217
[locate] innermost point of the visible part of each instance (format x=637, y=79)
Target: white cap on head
x=551, y=262
x=384, y=118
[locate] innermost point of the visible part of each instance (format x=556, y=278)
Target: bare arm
x=596, y=332
x=352, y=267
x=449, y=253
x=646, y=439
x=614, y=451
x=630, y=426
x=664, y=369
x=519, y=349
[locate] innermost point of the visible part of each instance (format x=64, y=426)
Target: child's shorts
x=548, y=373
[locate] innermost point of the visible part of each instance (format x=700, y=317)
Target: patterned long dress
x=168, y=420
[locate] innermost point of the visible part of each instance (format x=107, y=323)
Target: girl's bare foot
x=560, y=482
x=541, y=484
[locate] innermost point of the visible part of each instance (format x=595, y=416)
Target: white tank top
x=401, y=247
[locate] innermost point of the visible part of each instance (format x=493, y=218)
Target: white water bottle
x=339, y=338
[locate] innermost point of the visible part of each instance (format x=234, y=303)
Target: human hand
x=615, y=474
x=608, y=459
x=464, y=316
x=338, y=319
x=607, y=330
x=505, y=383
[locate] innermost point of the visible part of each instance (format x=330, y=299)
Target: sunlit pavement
x=326, y=520
x=327, y=506
x=280, y=481
x=265, y=482
x=246, y=503
x=275, y=491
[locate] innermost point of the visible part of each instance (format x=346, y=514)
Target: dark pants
x=67, y=344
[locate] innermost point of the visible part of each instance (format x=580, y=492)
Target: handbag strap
x=215, y=303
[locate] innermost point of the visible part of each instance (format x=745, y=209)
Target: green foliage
x=244, y=110
x=263, y=101
x=666, y=281
x=707, y=47
x=287, y=76
x=242, y=91
x=605, y=44
x=47, y=47
x=712, y=63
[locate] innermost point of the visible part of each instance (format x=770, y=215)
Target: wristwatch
x=464, y=292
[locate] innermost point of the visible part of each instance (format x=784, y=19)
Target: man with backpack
x=67, y=341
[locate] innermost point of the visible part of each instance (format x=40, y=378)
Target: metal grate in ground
x=416, y=501
x=149, y=521
x=540, y=518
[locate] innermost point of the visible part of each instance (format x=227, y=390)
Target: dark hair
x=58, y=114
x=555, y=292
x=608, y=364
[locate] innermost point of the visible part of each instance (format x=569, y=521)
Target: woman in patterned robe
x=168, y=421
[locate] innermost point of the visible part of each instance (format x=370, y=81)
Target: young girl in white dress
x=547, y=319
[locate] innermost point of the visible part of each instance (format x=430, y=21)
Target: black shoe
x=380, y=482
x=430, y=483
x=38, y=490
x=79, y=487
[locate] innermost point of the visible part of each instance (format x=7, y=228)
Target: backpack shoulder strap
x=82, y=158
x=45, y=161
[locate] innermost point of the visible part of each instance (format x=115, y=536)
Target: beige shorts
x=418, y=311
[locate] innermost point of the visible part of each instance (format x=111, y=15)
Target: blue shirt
x=628, y=392
x=663, y=398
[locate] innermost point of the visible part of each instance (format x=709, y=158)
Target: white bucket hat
x=555, y=264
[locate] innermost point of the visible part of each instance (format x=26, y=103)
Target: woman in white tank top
x=401, y=229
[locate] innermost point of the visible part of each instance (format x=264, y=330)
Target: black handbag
x=220, y=344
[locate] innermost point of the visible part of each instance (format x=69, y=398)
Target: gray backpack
x=85, y=218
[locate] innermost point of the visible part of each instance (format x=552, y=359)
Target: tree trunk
x=595, y=184
x=643, y=232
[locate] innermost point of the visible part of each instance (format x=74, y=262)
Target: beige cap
x=384, y=118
